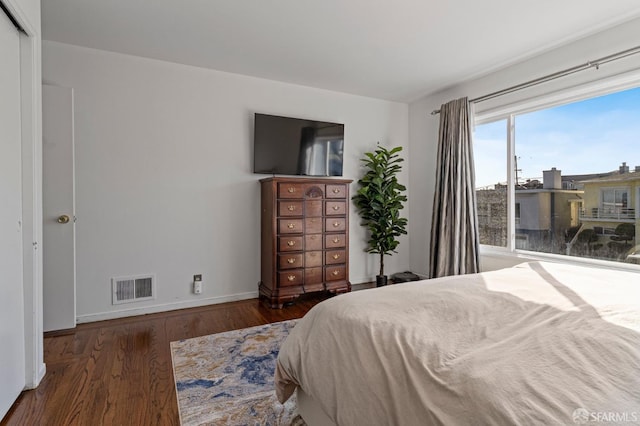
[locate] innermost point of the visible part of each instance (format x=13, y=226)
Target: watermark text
x=583, y=416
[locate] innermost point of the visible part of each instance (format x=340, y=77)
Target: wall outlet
x=197, y=284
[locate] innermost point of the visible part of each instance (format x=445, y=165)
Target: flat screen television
x=294, y=146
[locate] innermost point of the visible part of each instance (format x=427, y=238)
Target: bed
x=539, y=343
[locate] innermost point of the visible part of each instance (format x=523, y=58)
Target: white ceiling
x=397, y=50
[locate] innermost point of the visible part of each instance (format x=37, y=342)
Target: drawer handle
x=335, y=273
x=291, y=225
x=291, y=208
x=313, y=237
x=336, y=208
x=336, y=256
x=336, y=191
x=291, y=190
x=336, y=224
x=291, y=260
x=291, y=243
x=336, y=240
x=291, y=277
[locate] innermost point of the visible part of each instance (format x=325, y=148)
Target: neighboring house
x=548, y=214
x=609, y=202
x=543, y=213
x=492, y=215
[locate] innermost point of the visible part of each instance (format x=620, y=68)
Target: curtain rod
x=588, y=65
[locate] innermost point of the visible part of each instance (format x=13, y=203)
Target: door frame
x=31, y=122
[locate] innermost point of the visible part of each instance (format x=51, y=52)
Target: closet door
x=12, y=333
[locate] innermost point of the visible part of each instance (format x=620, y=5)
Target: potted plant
x=379, y=201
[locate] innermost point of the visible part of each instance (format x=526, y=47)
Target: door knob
x=63, y=219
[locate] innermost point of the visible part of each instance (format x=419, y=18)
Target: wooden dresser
x=305, y=237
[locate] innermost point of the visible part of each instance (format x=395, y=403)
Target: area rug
x=227, y=378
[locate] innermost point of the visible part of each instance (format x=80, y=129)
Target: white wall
x=423, y=127
x=163, y=171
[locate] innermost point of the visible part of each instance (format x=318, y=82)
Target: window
x=565, y=180
x=614, y=202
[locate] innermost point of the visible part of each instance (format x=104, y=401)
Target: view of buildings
x=591, y=215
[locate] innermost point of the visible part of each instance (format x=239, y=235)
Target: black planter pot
x=381, y=280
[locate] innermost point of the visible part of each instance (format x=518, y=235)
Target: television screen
x=293, y=146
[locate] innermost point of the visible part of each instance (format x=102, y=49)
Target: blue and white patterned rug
x=227, y=378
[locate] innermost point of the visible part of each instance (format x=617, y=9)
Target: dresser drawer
x=336, y=191
x=335, y=256
x=290, y=190
x=290, y=261
x=312, y=259
x=294, y=277
x=313, y=242
x=335, y=273
x=290, y=208
x=335, y=208
x=290, y=243
x=290, y=226
x=313, y=208
x=313, y=225
x=335, y=224
x=313, y=276
x=314, y=191
x=335, y=240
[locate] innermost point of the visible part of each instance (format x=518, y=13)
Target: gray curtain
x=454, y=228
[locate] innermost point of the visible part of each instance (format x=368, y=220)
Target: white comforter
x=539, y=343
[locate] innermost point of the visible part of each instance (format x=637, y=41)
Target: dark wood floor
x=119, y=372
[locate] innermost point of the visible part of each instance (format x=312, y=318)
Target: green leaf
x=380, y=198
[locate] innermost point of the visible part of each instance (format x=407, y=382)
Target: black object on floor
x=404, y=277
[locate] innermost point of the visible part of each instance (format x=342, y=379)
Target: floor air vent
x=133, y=289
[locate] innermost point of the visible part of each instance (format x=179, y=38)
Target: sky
x=590, y=136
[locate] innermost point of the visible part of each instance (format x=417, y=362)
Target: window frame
x=509, y=111
x=616, y=190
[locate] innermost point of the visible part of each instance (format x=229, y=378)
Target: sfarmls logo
x=583, y=416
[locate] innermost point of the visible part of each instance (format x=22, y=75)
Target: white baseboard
x=33, y=382
x=41, y=372
x=362, y=286
x=122, y=313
